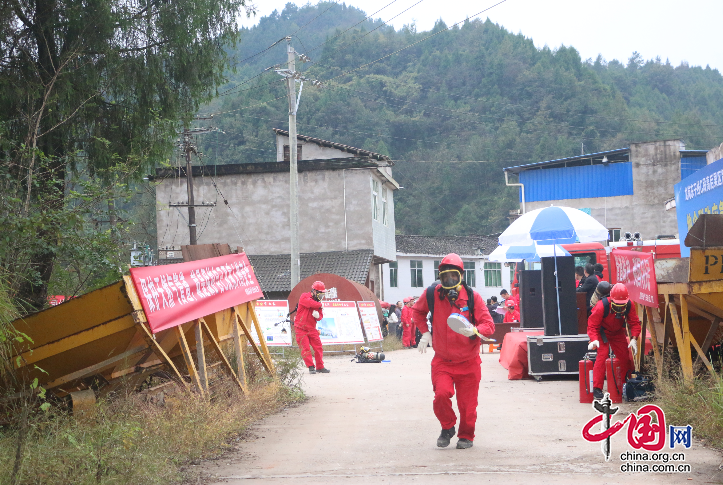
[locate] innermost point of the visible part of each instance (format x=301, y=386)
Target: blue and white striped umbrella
x=553, y=225
x=530, y=253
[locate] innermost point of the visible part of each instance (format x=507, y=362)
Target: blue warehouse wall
x=690, y=165
x=609, y=180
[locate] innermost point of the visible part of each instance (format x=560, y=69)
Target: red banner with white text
x=637, y=270
x=174, y=294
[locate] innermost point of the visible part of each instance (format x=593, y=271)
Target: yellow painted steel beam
x=243, y=321
x=189, y=359
x=685, y=358
x=220, y=353
x=267, y=355
x=703, y=357
x=69, y=343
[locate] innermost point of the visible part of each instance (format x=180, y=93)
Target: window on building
x=493, y=274
x=287, y=153
x=393, y=267
x=436, y=270
x=375, y=200
x=469, y=275
x=416, y=269
x=384, y=206
x=614, y=234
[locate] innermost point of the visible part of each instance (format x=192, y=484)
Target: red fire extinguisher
x=615, y=376
x=585, y=369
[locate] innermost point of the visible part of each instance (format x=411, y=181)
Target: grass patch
x=699, y=405
x=131, y=440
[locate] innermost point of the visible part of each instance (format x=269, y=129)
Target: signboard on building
x=637, y=270
x=699, y=193
x=340, y=324
x=174, y=294
x=272, y=320
x=370, y=320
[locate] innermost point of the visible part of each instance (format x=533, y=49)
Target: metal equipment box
x=555, y=355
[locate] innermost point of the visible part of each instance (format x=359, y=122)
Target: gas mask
x=618, y=309
x=317, y=295
x=451, y=279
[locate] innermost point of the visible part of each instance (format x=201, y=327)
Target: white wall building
x=418, y=258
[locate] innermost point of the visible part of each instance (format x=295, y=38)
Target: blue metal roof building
x=625, y=189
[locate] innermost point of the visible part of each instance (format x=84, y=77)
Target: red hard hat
x=384, y=304
x=318, y=286
x=406, y=300
x=510, y=304
x=452, y=259
x=619, y=294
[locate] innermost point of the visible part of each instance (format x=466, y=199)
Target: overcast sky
x=672, y=29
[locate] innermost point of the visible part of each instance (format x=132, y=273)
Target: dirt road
x=373, y=423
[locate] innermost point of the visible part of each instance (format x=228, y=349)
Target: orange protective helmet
x=619, y=294
x=318, y=286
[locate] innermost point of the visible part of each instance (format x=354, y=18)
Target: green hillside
x=476, y=92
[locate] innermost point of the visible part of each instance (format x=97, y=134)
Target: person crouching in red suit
x=512, y=315
x=407, y=330
x=606, y=328
x=456, y=362
x=308, y=313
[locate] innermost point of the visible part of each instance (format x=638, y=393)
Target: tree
x=96, y=88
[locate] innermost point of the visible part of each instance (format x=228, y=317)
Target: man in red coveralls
x=607, y=331
x=512, y=315
x=407, y=330
x=308, y=313
x=456, y=362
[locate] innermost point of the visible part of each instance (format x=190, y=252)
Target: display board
x=272, y=316
x=370, y=320
x=637, y=270
x=340, y=324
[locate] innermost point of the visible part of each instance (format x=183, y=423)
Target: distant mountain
x=474, y=93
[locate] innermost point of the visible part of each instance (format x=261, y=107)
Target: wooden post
x=639, y=359
x=244, y=326
x=224, y=360
x=251, y=309
x=188, y=358
x=701, y=355
x=685, y=362
x=200, y=356
x=708, y=340
x=654, y=342
x=240, y=368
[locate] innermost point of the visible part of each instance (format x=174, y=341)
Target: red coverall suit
x=456, y=362
x=407, y=329
x=615, y=332
x=511, y=317
x=306, y=332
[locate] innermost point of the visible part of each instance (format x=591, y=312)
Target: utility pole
x=292, y=77
x=188, y=148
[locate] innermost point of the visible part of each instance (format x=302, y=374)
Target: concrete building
x=346, y=204
x=418, y=258
x=624, y=189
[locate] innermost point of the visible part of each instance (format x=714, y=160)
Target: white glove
x=633, y=345
x=467, y=332
x=315, y=314
x=593, y=345
x=426, y=339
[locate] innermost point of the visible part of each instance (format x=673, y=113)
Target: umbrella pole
x=557, y=289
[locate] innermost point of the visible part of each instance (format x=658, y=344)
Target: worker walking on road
x=456, y=362
x=606, y=328
x=407, y=330
x=308, y=313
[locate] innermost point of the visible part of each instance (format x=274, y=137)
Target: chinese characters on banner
x=340, y=324
x=370, y=320
x=637, y=270
x=174, y=294
x=699, y=193
x=272, y=320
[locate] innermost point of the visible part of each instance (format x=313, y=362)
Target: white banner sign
x=370, y=320
x=272, y=314
x=340, y=324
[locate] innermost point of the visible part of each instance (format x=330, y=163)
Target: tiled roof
x=274, y=270
x=338, y=146
x=441, y=245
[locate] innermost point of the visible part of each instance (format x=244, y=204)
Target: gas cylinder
x=585, y=370
x=615, y=377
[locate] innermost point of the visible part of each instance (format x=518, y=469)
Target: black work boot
x=597, y=393
x=323, y=370
x=463, y=444
x=312, y=369
x=445, y=436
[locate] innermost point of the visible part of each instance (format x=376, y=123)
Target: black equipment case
x=556, y=355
